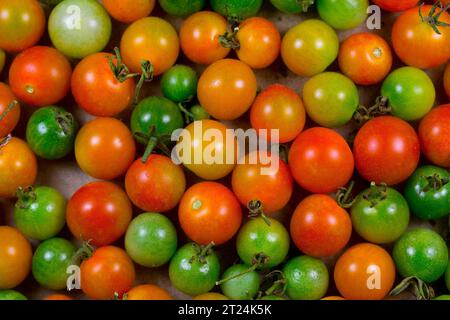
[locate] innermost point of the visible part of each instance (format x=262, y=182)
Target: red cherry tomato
x=10, y=117
x=128, y=11
x=386, y=150
x=395, y=5
x=100, y=212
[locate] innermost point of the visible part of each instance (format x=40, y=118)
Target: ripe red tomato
x=109, y=271
x=320, y=227
x=199, y=37
x=40, y=76
x=321, y=160
x=209, y=212
x=148, y=292
x=279, y=107
x=447, y=80
x=365, y=57
x=156, y=185
x=96, y=89
x=256, y=179
x=395, y=5
x=11, y=118
x=104, y=148
x=434, y=133
x=128, y=11
x=386, y=150
x=100, y=212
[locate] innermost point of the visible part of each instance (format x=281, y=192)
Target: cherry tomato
x=237, y=8
x=209, y=212
x=199, y=37
x=148, y=292
x=290, y=6
x=11, y=295
x=15, y=257
x=333, y=298
x=364, y=272
x=210, y=296
x=99, y=212
x=37, y=69
x=96, y=89
x=309, y=48
x=104, y=141
x=321, y=160
x=182, y=8
x=343, y=14
x=22, y=23
x=434, y=133
x=109, y=271
x=244, y=286
x=128, y=11
x=320, y=227
x=57, y=297
x=416, y=42
x=269, y=183
x=386, y=150
x=179, y=83
x=152, y=39
x=18, y=166
x=9, y=117
x=226, y=89
x=395, y=5
x=366, y=58
x=447, y=80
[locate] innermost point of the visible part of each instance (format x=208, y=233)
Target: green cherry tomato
x=306, y=278
x=51, y=132
x=79, y=28
x=243, y=287
x=330, y=99
x=40, y=213
x=380, y=214
x=292, y=6
x=151, y=240
x=237, y=8
x=447, y=276
x=179, y=83
x=428, y=193
x=410, y=93
x=421, y=253
x=443, y=297
x=259, y=241
x=2, y=59
x=11, y=295
x=181, y=8
x=194, y=269
x=50, y=263
x=199, y=113
x=343, y=14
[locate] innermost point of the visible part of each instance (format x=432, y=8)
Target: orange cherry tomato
x=320, y=227
x=15, y=257
x=227, y=88
x=279, y=107
x=209, y=212
x=152, y=39
x=199, y=37
x=366, y=58
x=211, y=296
x=148, y=292
x=104, y=148
x=96, y=89
x=58, y=297
x=333, y=298
x=18, y=166
x=364, y=272
x=128, y=11
x=109, y=271
x=10, y=117
x=447, y=80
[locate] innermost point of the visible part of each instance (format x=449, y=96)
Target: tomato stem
x=25, y=196
x=120, y=70
x=83, y=253
x=421, y=290
x=278, y=286
x=11, y=106
x=188, y=116
x=151, y=144
x=202, y=252
x=364, y=114
x=435, y=182
x=256, y=210
x=65, y=122
x=433, y=18
x=376, y=193
x=258, y=260
x=229, y=38
x=147, y=73
x=344, y=196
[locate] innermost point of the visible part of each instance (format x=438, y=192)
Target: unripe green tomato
x=182, y=8
x=343, y=14
x=11, y=295
x=237, y=8
x=179, y=83
x=199, y=113
x=244, y=287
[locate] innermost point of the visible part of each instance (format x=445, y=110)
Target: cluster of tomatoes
x=128, y=136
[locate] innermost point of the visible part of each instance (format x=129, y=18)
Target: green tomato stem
x=202, y=252
x=344, y=196
x=256, y=210
x=435, y=182
x=433, y=18
x=376, y=194
x=259, y=260
x=26, y=196
x=83, y=253
x=380, y=108
x=421, y=290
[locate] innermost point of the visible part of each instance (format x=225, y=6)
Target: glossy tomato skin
x=22, y=23
x=18, y=166
x=365, y=58
x=421, y=253
x=95, y=88
x=447, y=80
x=287, y=6
x=151, y=240
x=128, y=11
x=51, y=132
x=109, y=271
x=321, y=160
x=147, y=292
x=330, y=99
x=37, y=69
x=156, y=185
x=79, y=28
x=209, y=212
x=101, y=141
x=179, y=83
x=320, y=227
x=100, y=212
x=10, y=120
x=395, y=5
x=11, y=295
x=320, y=48
x=415, y=41
x=182, y=8
x=386, y=150
x=226, y=89
x=244, y=287
x=237, y=8
x=410, y=93
x=152, y=39
x=434, y=133
x=343, y=14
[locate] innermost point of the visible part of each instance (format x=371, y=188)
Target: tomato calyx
x=344, y=196
x=202, y=252
x=65, y=121
x=25, y=196
x=380, y=108
x=376, y=194
x=255, y=208
x=11, y=106
x=433, y=18
x=420, y=289
x=305, y=4
x=152, y=141
x=276, y=284
x=83, y=253
x=435, y=182
x=258, y=261
x=229, y=38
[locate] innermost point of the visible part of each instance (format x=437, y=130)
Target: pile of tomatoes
x=358, y=207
